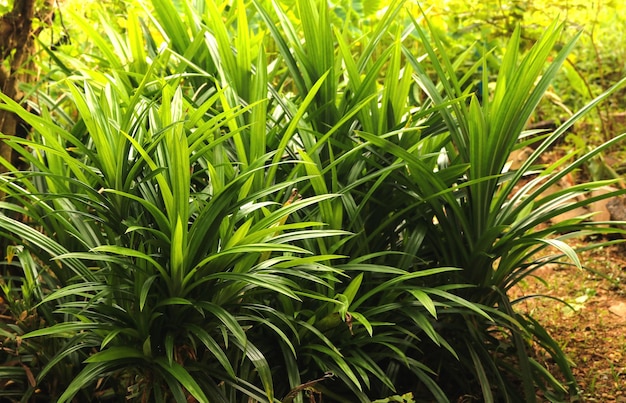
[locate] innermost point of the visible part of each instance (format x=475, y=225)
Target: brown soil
x=592, y=330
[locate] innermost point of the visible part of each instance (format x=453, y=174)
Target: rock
x=565, y=183
x=577, y=212
x=600, y=208
x=619, y=309
x=616, y=207
x=518, y=157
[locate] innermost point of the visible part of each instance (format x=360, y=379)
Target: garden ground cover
x=592, y=329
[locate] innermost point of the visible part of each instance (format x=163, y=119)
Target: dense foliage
x=590, y=68
x=258, y=201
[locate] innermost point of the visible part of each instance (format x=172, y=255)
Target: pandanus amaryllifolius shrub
x=255, y=211
x=153, y=231
x=493, y=222
x=157, y=256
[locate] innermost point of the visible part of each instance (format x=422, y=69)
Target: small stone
x=619, y=309
x=617, y=207
x=600, y=208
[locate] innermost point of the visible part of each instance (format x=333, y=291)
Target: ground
x=592, y=330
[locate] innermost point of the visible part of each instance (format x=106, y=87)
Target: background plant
x=590, y=68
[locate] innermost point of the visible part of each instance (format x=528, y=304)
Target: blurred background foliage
x=595, y=64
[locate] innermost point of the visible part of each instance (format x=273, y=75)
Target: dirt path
x=593, y=330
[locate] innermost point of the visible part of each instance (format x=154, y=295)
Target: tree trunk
x=17, y=47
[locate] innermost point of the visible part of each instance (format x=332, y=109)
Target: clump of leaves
x=186, y=266
x=485, y=220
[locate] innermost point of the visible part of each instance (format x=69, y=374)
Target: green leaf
x=184, y=377
x=293, y=125
x=565, y=248
x=363, y=321
x=64, y=329
x=337, y=359
x=89, y=374
x=215, y=349
x=115, y=354
x=353, y=288
x=123, y=251
x=426, y=301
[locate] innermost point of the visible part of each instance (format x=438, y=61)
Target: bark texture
x=17, y=47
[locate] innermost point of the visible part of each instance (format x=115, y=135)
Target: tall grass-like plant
x=174, y=251
x=486, y=221
x=158, y=212
x=468, y=214
x=312, y=113
x=161, y=255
